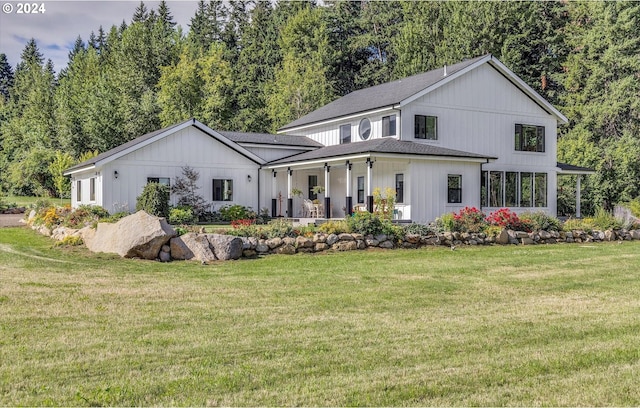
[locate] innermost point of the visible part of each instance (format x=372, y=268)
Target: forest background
x=254, y=66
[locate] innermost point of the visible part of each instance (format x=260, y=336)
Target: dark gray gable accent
x=379, y=96
x=269, y=139
x=386, y=145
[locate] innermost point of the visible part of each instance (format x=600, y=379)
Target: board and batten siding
x=166, y=157
x=329, y=134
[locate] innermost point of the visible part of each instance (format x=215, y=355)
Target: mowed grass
x=537, y=325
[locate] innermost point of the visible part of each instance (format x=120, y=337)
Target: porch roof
x=571, y=169
x=382, y=146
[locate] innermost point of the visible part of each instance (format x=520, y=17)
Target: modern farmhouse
x=470, y=134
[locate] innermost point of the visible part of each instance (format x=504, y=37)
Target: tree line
x=250, y=65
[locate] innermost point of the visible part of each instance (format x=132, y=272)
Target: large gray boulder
x=191, y=246
x=139, y=235
x=225, y=247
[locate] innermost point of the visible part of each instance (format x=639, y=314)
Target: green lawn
x=537, y=325
x=25, y=201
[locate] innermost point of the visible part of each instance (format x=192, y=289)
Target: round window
x=364, y=130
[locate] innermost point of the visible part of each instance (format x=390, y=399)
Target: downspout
x=259, y=173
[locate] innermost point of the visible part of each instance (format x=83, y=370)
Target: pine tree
x=141, y=14
x=6, y=77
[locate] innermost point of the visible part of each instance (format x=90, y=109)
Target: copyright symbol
x=7, y=8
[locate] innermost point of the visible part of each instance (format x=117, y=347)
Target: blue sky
x=56, y=29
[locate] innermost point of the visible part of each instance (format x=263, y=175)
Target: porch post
x=369, y=187
x=578, y=194
x=289, y=198
x=349, y=204
x=274, y=199
x=327, y=195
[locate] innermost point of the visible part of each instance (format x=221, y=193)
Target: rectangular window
x=399, y=188
x=511, y=189
x=345, y=134
x=313, y=181
x=484, y=188
x=222, y=190
x=160, y=180
x=92, y=189
x=79, y=191
x=526, y=189
x=495, y=185
x=361, y=190
x=426, y=127
x=454, y=188
x=529, y=138
x=541, y=189
x=389, y=125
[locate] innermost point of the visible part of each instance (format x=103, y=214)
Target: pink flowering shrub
x=506, y=218
x=469, y=219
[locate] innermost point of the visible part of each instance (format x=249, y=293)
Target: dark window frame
x=454, y=193
x=529, y=138
x=313, y=181
x=423, y=129
x=223, y=191
x=389, y=126
x=92, y=189
x=345, y=137
x=166, y=181
x=360, y=189
x=400, y=188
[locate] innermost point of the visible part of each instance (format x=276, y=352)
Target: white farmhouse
x=470, y=134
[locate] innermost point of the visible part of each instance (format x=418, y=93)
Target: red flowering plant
x=237, y=224
x=469, y=219
x=506, y=218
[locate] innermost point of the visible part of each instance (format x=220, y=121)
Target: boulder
x=138, y=235
x=286, y=249
x=635, y=234
x=503, y=237
x=321, y=246
x=225, y=247
x=262, y=247
x=191, y=246
x=331, y=239
x=274, y=242
x=303, y=242
x=346, y=237
x=387, y=244
x=345, y=246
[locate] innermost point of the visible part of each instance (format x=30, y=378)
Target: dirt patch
x=11, y=220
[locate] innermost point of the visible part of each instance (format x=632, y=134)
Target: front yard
x=512, y=325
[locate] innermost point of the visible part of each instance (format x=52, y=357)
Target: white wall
x=166, y=157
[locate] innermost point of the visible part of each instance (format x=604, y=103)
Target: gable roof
x=398, y=93
x=151, y=137
x=381, y=146
x=269, y=139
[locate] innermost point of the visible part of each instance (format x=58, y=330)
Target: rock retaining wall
x=210, y=247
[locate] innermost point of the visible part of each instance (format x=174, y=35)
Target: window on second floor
x=426, y=127
x=389, y=125
x=222, y=190
x=529, y=138
x=345, y=134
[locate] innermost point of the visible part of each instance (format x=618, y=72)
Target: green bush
x=278, y=229
x=70, y=241
x=634, y=206
x=418, y=229
x=604, y=220
x=446, y=222
x=154, y=200
x=236, y=212
x=113, y=218
x=540, y=221
x=181, y=216
x=334, y=227
x=83, y=215
x=585, y=224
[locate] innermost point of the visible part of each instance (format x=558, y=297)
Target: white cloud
x=56, y=29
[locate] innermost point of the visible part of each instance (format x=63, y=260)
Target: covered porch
x=577, y=171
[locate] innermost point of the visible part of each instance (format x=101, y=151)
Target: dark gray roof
x=92, y=161
x=384, y=145
x=571, y=167
x=379, y=96
x=266, y=138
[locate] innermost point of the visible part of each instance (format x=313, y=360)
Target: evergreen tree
x=141, y=14
x=6, y=77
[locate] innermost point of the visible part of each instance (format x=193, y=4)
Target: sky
x=57, y=24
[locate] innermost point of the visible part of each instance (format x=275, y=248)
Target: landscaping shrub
x=418, y=229
x=540, y=221
x=384, y=205
x=69, y=241
x=585, y=224
x=334, y=227
x=634, y=206
x=506, y=218
x=278, y=229
x=236, y=212
x=154, y=200
x=181, y=215
x=446, y=222
x=365, y=223
x=604, y=220
x=186, y=188
x=469, y=219
x=83, y=215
